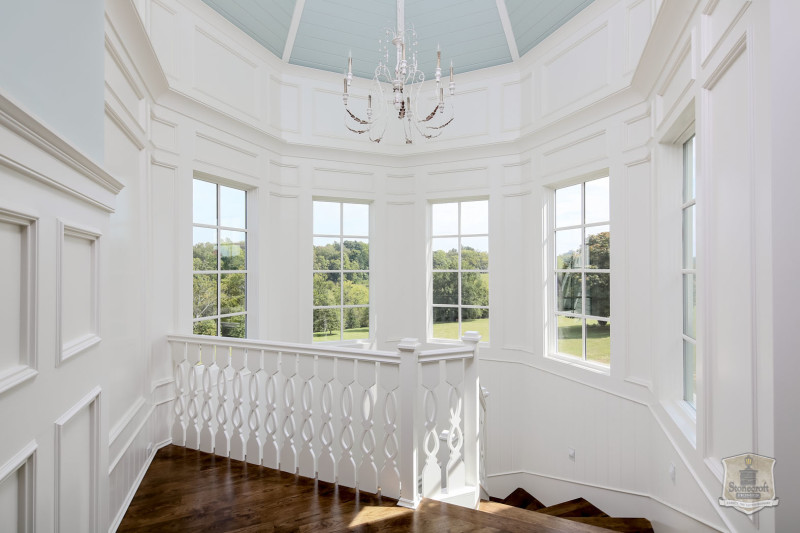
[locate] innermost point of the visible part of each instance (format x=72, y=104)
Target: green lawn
x=349, y=334
x=598, y=342
x=449, y=330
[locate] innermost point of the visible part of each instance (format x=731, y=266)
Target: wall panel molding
x=23, y=464
x=67, y=348
x=91, y=402
x=28, y=287
x=25, y=126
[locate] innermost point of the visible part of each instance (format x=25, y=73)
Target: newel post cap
x=472, y=337
x=408, y=345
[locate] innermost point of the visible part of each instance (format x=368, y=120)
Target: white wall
x=51, y=62
x=236, y=113
x=575, y=106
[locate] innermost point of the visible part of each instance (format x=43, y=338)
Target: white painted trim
x=508, y=30
x=73, y=347
x=25, y=459
x=292, y=35
x=29, y=283
x=115, y=461
x=611, y=489
x=135, y=487
x=14, y=118
x=92, y=402
x=38, y=176
x=126, y=419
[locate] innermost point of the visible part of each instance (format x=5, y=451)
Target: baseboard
x=129, y=467
x=666, y=518
x=129, y=498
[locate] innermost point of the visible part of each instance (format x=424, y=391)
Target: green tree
x=598, y=286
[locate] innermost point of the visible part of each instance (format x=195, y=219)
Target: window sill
x=580, y=363
x=684, y=417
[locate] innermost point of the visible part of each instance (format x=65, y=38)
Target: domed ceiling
x=473, y=34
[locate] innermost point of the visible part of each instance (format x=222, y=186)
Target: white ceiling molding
x=298, y=13
x=512, y=42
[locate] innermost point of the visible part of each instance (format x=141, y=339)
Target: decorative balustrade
x=360, y=418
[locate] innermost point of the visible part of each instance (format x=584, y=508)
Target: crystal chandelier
x=406, y=81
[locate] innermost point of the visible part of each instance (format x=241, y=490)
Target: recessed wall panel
x=576, y=72
x=226, y=155
x=457, y=179
x=343, y=180
x=11, y=294
x=224, y=74
x=163, y=35
x=730, y=256
x=77, y=289
x=638, y=22
x=571, y=154
x=9, y=502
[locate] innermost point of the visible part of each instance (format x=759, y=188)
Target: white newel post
x=472, y=414
x=409, y=442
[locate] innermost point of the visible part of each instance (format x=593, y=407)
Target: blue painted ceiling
x=469, y=32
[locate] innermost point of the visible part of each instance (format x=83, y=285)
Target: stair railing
x=359, y=418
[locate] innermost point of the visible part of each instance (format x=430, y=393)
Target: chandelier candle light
x=406, y=81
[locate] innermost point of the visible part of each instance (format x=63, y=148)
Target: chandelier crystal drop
x=406, y=82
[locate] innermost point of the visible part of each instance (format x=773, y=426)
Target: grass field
x=598, y=341
x=449, y=330
x=349, y=335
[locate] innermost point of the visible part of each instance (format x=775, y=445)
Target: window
x=341, y=271
x=219, y=260
x=582, y=271
x=460, y=244
x=689, y=269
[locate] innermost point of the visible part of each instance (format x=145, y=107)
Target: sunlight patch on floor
x=375, y=514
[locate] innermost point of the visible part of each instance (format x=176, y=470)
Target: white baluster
x=431, y=472
x=307, y=461
x=254, y=444
x=271, y=454
x=326, y=464
x=206, y=438
x=455, y=472
x=347, y=465
x=390, y=473
x=288, y=450
x=367, y=470
x=409, y=433
x=237, y=414
x=179, y=424
x=192, y=436
x=223, y=437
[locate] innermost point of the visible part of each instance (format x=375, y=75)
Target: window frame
x=342, y=272
x=687, y=204
x=459, y=271
x=249, y=285
x=551, y=276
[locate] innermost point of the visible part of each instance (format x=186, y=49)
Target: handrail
x=380, y=356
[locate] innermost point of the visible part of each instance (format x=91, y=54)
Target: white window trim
x=551, y=325
x=369, y=341
x=457, y=236
x=251, y=284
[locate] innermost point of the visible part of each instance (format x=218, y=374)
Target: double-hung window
x=460, y=245
x=219, y=260
x=689, y=274
x=341, y=271
x=582, y=271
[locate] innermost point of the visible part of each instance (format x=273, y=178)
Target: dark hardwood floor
x=186, y=490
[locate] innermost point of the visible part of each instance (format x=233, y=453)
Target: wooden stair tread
x=622, y=525
x=522, y=499
x=531, y=520
x=573, y=508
